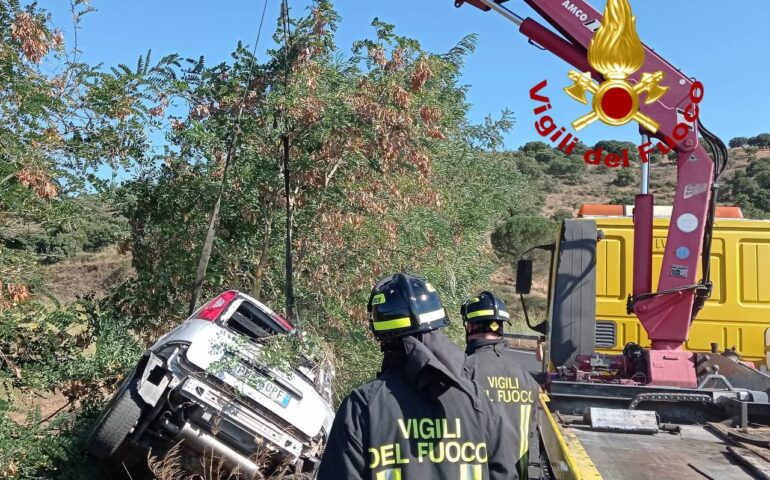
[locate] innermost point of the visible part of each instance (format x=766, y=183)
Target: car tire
x=117, y=422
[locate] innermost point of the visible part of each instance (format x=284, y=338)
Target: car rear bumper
x=221, y=412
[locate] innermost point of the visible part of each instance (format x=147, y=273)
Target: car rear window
x=252, y=322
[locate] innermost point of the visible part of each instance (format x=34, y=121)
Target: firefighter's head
x=401, y=305
x=484, y=316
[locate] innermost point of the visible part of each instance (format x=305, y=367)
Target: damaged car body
x=204, y=384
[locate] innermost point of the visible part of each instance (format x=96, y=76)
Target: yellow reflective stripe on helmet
x=392, y=324
x=480, y=313
x=378, y=299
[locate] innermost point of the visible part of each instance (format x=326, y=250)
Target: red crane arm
x=666, y=314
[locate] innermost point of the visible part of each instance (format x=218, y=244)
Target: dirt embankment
x=88, y=274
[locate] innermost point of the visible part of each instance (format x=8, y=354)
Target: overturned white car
x=204, y=383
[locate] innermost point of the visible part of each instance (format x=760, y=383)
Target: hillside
x=598, y=184
x=563, y=196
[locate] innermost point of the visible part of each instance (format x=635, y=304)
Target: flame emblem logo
x=617, y=53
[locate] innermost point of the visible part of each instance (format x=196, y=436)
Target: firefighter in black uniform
x=419, y=419
x=490, y=364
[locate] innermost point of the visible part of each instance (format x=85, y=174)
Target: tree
x=386, y=173
x=760, y=141
x=739, y=142
x=520, y=233
x=534, y=147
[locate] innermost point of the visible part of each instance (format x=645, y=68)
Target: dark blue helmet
x=485, y=307
x=401, y=304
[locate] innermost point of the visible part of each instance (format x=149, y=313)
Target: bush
x=568, y=170
x=624, y=199
x=562, y=214
x=625, y=178
x=547, y=156
x=529, y=167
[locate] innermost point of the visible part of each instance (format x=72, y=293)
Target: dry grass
x=88, y=273
x=178, y=464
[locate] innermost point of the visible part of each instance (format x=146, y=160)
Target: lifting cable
x=203, y=262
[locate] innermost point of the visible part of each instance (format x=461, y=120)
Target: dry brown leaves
x=11, y=294
x=200, y=111
x=377, y=55
x=421, y=161
x=429, y=115
x=319, y=22
x=310, y=111
x=31, y=34
x=401, y=97
x=58, y=84
x=397, y=62
x=421, y=75
x=435, y=133
x=177, y=124
x=37, y=180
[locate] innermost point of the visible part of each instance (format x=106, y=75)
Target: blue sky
x=724, y=44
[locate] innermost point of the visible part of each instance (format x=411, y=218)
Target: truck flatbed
x=694, y=454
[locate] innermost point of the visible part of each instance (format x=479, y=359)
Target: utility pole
x=291, y=309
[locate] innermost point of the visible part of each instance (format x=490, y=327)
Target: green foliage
x=80, y=224
x=623, y=199
x=529, y=167
x=563, y=214
x=522, y=232
x=80, y=351
x=534, y=147
x=567, y=169
x=751, y=189
x=760, y=141
x=739, y=142
x=387, y=173
x=625, y=177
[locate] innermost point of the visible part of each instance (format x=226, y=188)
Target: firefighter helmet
x=485, y=307
x=401, y=304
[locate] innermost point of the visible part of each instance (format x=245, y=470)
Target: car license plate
x=261, y=384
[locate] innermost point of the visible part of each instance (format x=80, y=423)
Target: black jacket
x=509, y=387
x=419, y=420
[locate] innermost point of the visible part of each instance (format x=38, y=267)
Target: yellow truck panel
x=738, y=312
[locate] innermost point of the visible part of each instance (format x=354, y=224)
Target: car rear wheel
x=117, y=422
